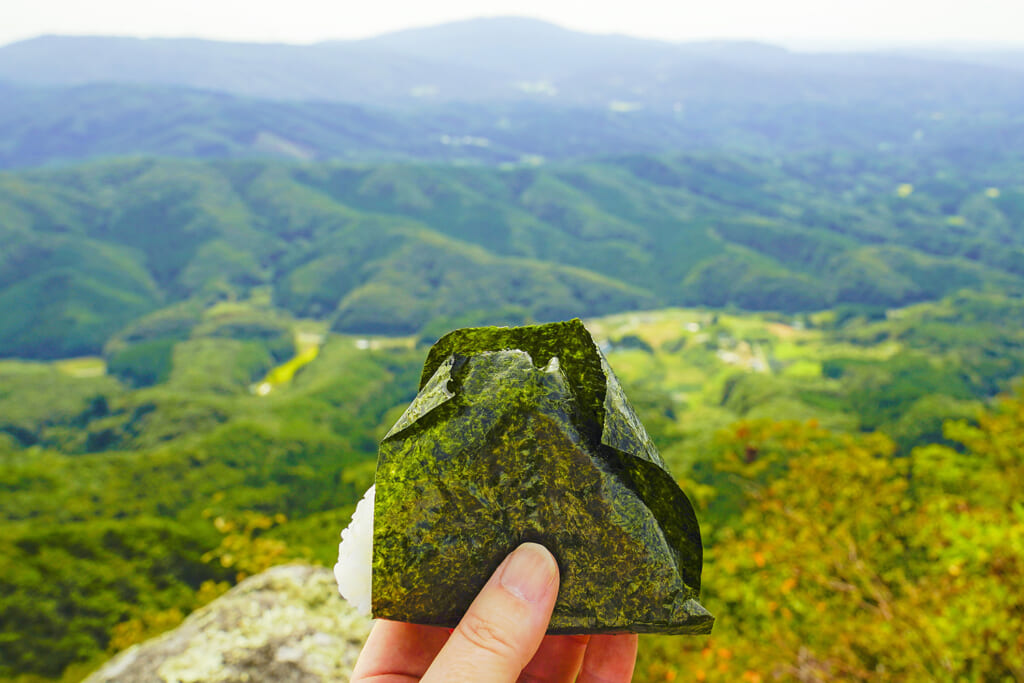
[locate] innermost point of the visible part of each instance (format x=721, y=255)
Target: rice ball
x=354, y=570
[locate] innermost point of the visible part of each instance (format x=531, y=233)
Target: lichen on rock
x=286, y=625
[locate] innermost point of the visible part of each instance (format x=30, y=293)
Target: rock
x=286, y=625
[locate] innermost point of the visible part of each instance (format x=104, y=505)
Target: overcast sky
x=799, y=22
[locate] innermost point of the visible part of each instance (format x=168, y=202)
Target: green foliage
x=66, y=586
x=59, y=314
x=107, y=537
x=42, y=405
x=128, y=498
x=173, y=322
x=143, y=364
x=143, y=354
x=220, y=365
x=118, y=463
x=188, y=442
x=847, y=563
x=268, y=327
x=389, y=248
x=879, y=392
x=632, y=341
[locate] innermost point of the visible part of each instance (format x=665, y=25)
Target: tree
x=849, y=563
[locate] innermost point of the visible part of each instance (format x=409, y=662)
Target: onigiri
x=524, y=434
x=353, y=572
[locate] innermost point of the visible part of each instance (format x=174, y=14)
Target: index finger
x=397, y=652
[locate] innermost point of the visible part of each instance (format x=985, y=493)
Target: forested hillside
x=389, y=248
x=47, y=125
x=210, y=444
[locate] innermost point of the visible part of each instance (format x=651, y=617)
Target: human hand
x=500, y=639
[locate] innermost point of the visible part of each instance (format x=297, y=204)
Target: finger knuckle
x=488, y=637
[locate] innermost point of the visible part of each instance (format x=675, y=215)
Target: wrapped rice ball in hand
x=519, y=435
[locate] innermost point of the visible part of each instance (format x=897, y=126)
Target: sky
x=810, y=23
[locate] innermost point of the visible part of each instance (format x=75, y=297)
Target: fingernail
x=529, y=572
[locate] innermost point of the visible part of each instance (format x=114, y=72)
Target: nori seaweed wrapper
x=524, y=434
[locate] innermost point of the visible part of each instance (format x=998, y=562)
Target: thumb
x=504, y=626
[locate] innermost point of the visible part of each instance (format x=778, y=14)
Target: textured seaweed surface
x=524, y=434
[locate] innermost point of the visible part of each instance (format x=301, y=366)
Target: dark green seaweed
x=524, y=434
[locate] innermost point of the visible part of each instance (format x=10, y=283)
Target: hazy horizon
x=795, y=24
x=794, y=45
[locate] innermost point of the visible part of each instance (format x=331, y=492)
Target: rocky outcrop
x=286, y=625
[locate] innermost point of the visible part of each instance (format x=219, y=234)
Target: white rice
x=354, y=571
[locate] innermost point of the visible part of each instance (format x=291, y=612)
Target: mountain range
x=506, y=59
x=501, y=165
x=491, y=91
x=391, y=248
